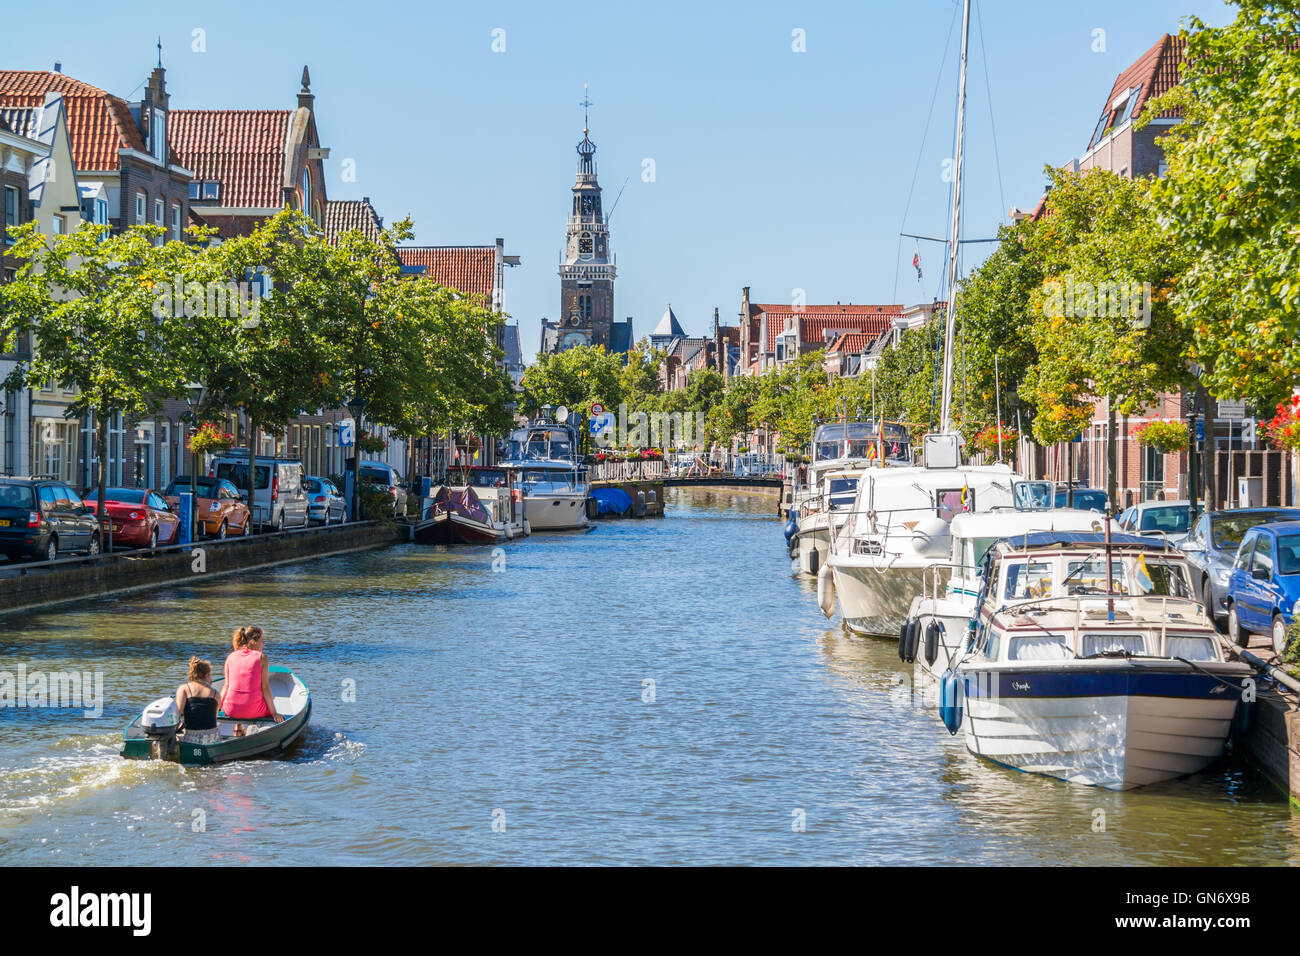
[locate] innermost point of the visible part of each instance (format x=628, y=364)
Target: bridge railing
x=647, y=469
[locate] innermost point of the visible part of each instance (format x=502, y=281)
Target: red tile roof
x=345, y=215
x=816, y=320
x=242, y=149
x=1153, y=73
x=470, y=270
x=851, y=343
x=99, y=124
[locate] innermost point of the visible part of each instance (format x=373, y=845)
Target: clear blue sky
x=774, y=169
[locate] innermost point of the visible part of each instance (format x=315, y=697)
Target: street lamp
x=194, y=393
x=356, y=405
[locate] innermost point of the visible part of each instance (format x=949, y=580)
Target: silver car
x=1212, y=546
x=325, y=504
x=1168, y=519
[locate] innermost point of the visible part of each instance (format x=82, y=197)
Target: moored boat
x=1092, y=662
x=155, y=733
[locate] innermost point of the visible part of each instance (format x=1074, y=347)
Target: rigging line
x=988, y=90
x=925, y=133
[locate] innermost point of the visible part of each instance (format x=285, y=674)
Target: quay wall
x=653, y=491
x=26, y=587
x=1272, y=740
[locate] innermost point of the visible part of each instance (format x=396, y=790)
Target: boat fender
x=911, y=637
x=826, y=590
x=950, y=701
x=528, y=528
x=902, y=641
x=814, y=561
x=791, y=526
x=932, y=632
x=593, y=508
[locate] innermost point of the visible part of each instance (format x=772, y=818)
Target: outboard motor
x=161, y=721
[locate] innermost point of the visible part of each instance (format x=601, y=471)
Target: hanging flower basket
x=1164, y=435
x=986, y=440
x=1283, y=429
x=210, y=439
x=370, y=444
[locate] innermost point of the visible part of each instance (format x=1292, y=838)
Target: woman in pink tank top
x=246, y=694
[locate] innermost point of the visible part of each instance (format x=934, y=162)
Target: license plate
x=4, y=522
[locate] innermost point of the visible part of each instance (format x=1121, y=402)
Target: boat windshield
x=844, y=440
x=1033, y=494
x=842, y=492
x=542, y=445
x=551, y=482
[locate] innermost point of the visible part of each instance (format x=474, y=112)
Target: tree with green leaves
x=1229, y=199
x=91, y=303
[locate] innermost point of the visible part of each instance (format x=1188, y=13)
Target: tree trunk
x=1112, y=456
x=356, y=471
x=101, y=451
x=252, y=470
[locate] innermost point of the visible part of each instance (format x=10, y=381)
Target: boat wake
x=76, y=766
x=318, y=745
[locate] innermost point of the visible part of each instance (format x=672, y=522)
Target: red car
x=140, y=517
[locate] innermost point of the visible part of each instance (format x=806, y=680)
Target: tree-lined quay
x=129, y=320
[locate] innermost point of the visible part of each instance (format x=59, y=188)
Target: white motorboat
x=552, y=478
x=1093, y=662
x=841, y=451
x=942, y=615
x=898, y=529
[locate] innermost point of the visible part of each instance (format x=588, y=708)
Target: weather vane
x=585, y=104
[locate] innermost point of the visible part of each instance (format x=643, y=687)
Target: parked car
x=279, y=499
x=1085, y=499
x=1170, y=518
x=220, y=505
x=1212, y=546
x=44, y=518
x=139, y=517
x=1265, y=583
x=325, y=503
x=386, y=479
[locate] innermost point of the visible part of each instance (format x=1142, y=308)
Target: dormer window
x=205, y=189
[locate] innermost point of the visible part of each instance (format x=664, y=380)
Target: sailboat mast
x=954, y=234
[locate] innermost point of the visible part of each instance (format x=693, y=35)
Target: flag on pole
x=916, y=260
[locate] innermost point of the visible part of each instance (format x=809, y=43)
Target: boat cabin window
x=1089, y=577
x=842, y=491
x=1095, y=645
x=1190, y=648
x=1042, y=647
x=990, y=644
x=1033, y=494
x=1026, y=580
x=1161, y=578
x=953, y=501
x=973, y=551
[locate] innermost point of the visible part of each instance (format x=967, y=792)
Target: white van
x=280, y=499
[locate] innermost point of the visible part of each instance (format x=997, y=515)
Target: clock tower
x=587, y=274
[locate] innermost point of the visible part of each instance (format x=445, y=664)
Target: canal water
x=653, y=692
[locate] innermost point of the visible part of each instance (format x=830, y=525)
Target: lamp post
x=356, y=405
x=194, y=393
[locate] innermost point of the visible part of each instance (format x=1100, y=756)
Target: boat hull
x=876, y=602
x=814, y=544
x=1116, y=725
x=261, y=737
x=556, y=512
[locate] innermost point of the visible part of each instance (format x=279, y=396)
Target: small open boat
x=153, y=734
x=466, y=515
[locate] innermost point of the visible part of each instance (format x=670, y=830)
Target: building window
x=584, y=308
x=11, y=210
x=306, y=192
x=140, y=202
x=205, y=189
x=176, y=220
x=56, y=225
x=158, y=136
x=1153, y=472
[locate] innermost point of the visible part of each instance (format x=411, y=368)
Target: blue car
x=1265, y=583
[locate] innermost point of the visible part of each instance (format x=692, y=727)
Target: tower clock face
x=573, y=339
x=585, y=244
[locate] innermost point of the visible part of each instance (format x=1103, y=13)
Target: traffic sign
x=1234, y=409
x=597, y=409
x=602, y=423
x=347, y=433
